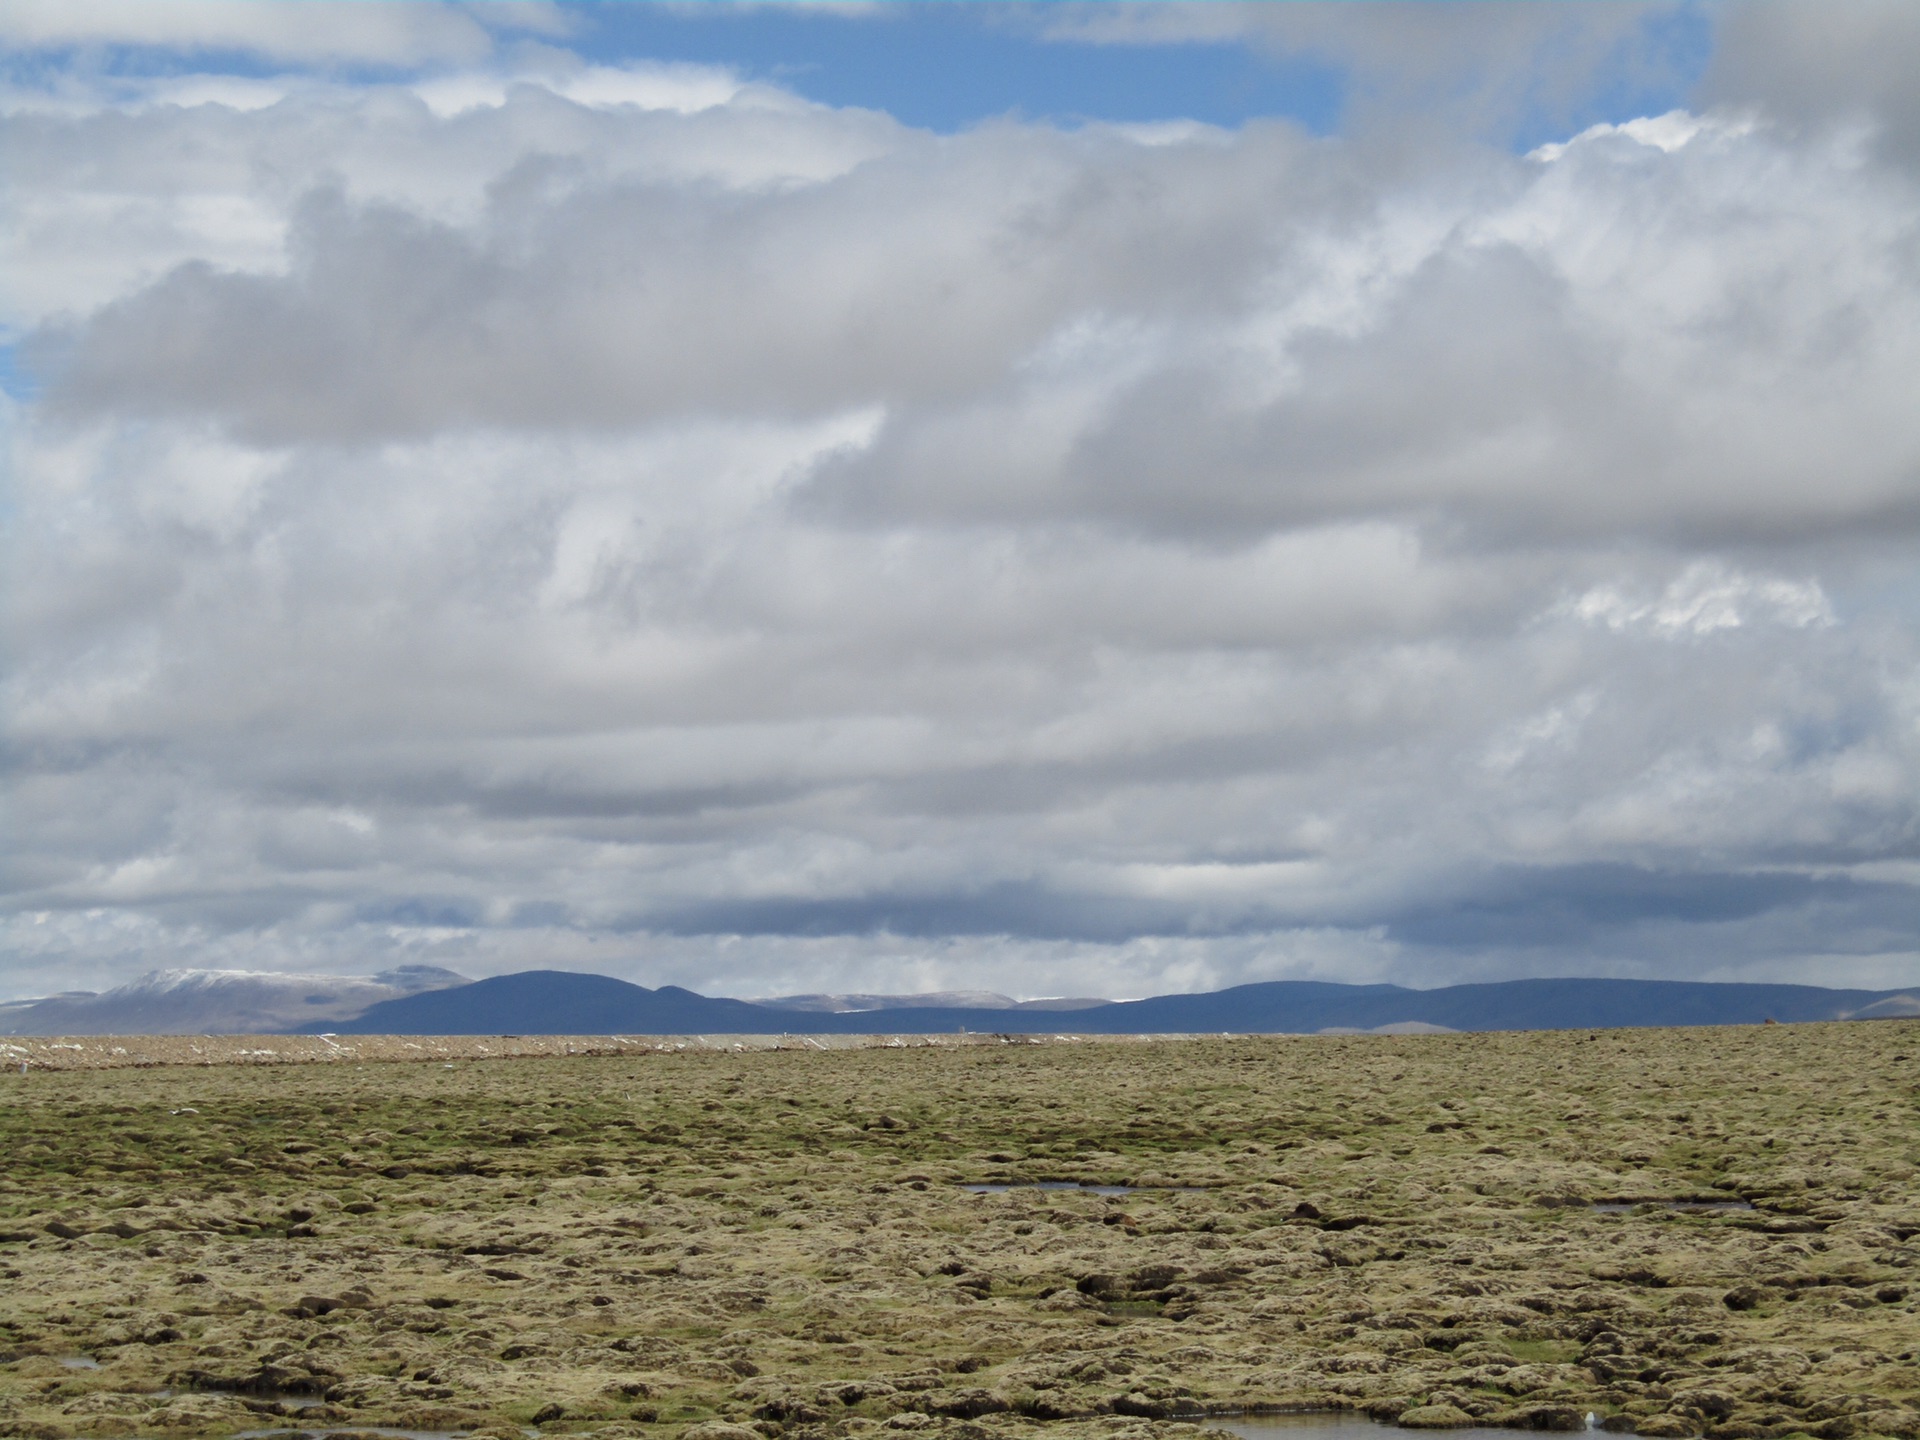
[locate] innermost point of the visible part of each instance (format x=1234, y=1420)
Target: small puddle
x=291, y=1402
x=287, y=1398
x=1716, y=1206
x=1332, y=1425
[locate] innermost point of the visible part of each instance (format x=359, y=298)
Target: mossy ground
x=777, y=1240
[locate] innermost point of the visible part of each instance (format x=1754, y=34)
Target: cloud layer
x=629, y=517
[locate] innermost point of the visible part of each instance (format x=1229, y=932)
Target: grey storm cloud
x=1204, y=337
x=1514, y=908
x=922, y=273
x=721, y=539
x=1823, y=66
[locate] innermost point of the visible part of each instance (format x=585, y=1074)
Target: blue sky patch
x=946, y=67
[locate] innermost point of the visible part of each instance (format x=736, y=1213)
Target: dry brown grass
x=775, y=1238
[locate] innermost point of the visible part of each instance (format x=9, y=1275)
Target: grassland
x=774, y=1243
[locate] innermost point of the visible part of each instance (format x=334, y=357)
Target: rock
x=791, y=1411
x=1666, y=1427
x=719, y=1430
x=969, y=1404
x=1711, y=1403
x=206, y=1414
x=1051, y=1406
x=1434, y=1417
x=309, y=1306
x=852, y=1392
x=107, y=1403
x=110, y=1427
x=1066, y=1300
x=1542, y=1417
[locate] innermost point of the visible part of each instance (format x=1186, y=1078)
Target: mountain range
x=558, y=1003
x=427, y=1000
x=218, y=1002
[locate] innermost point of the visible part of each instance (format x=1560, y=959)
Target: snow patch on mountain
x=219, y=1002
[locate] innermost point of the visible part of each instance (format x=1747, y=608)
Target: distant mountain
x=426, y=1000
x=219, y=1002
x=13, y=1010
x=551, y=1002
x=560, y=1002
x=936, y=1000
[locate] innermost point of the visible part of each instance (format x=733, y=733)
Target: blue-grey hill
x=553, y=1002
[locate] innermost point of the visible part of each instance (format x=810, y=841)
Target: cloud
x=683, y=88
x=1488, y=68
x=1182, y=335
x=1707, y=598
x=227, y=183
x=307, y=31
x=809, y=297
x=627, y=519
x=1668, y=132
x=1821, y=66
x=1558, y=907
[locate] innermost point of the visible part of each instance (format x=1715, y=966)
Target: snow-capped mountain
x=219, y=1002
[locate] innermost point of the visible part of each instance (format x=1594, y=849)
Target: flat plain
x=776, y=1242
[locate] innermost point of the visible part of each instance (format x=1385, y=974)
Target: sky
x=1078, y=499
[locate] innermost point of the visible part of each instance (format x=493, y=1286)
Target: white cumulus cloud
x=524, y=511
